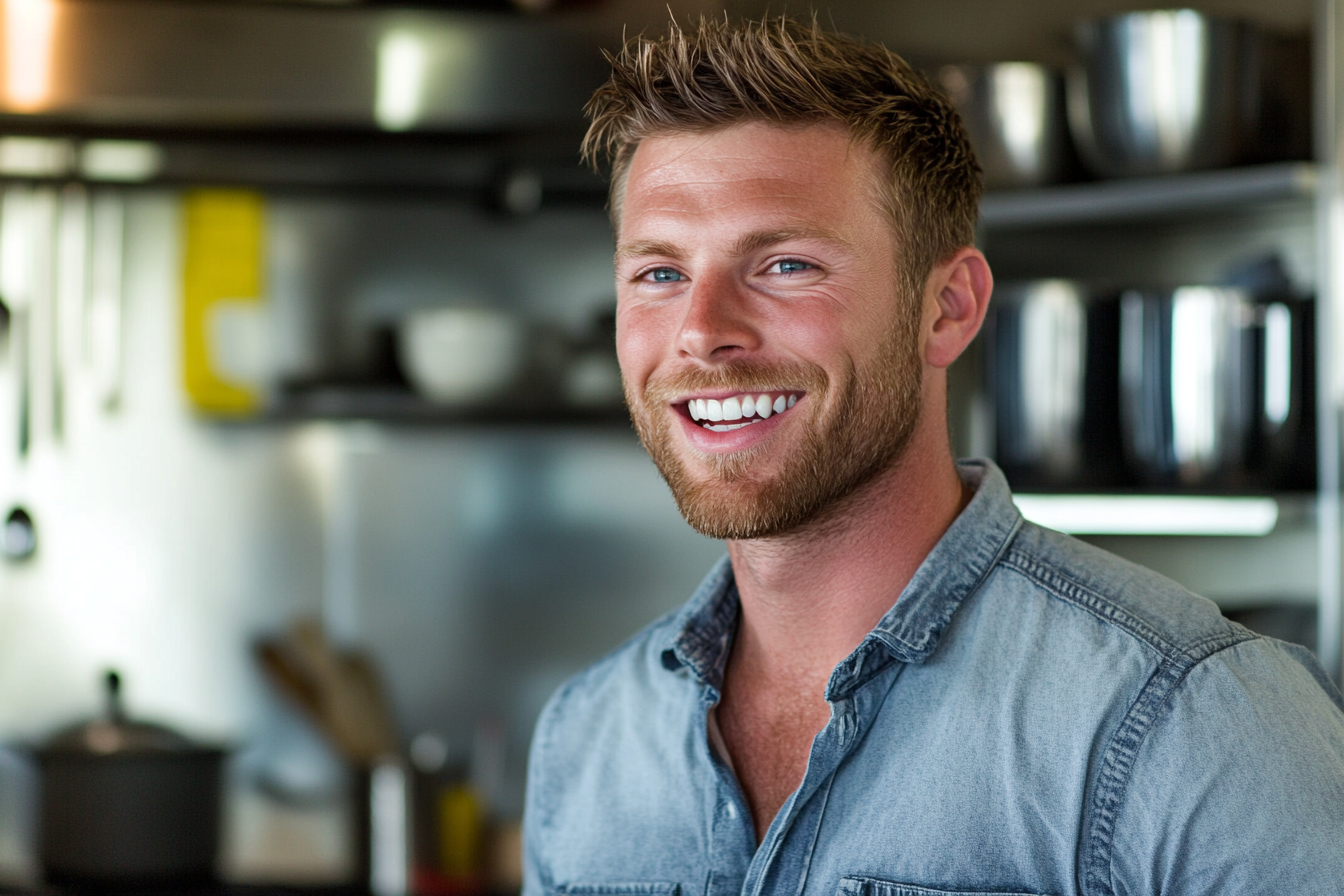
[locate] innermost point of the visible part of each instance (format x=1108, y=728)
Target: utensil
x=1014, y=112
x=15, y=285
x=103, y=347
x=128, y=803
x=1176, y=90
x=338, y=689
x=461, y=356
x=1051, y=363
x=18, y=538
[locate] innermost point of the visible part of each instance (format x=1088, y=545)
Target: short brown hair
x=719, y=73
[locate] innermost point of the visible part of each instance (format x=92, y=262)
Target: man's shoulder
x=621, y=680
x=1157, y=615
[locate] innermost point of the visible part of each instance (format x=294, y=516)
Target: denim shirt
x=1033, y=715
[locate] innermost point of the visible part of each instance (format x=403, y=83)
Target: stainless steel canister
x=1187, y=379
x=1051, y=362
x=1215, y=387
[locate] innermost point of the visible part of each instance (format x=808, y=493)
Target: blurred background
x=310, y=419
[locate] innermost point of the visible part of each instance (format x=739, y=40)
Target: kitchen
x=203, y=462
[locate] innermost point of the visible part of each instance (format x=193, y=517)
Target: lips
x=735, y=412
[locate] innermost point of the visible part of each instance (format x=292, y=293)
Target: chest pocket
x=870, y=886
x=656, y=888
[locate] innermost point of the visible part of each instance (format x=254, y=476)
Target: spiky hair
x=720, y=73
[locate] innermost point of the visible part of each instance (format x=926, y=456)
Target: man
x=893, y=685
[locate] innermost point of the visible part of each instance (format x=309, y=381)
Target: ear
x=956, y=299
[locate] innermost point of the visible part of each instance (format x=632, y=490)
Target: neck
x=810, y=596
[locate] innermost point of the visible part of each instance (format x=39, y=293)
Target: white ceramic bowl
x=461, y=356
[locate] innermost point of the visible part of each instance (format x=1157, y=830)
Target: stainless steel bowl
x=1164, y=91
x=1014, y=113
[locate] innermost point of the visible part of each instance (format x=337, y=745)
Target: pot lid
x=113, y=733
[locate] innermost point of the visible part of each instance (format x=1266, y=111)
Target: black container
x=126, y=803
x=1052, y=361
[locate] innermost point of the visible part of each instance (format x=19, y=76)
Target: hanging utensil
x=15, y=286
x=103, y=316
x=69, y=297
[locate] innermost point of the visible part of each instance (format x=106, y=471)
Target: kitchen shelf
x=1162, y=514
x=402, y=406
x=1145, y=197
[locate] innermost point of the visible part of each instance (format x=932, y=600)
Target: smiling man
x=892, y=685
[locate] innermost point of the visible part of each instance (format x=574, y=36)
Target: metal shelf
x=402, y=406
x=1147, y=197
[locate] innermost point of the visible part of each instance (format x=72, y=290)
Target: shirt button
x=730, y=810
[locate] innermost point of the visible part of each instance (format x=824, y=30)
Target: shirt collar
x=953, y=570
x=909, y=632
x=704, y=628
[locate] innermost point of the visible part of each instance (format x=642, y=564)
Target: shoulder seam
x=1050, y=578
x=1118, y=761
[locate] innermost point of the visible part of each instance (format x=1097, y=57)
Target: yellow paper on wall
x=223, y=269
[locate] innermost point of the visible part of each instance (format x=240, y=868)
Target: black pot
x=126, y=803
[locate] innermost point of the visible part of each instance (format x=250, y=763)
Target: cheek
x=827, y=329
x=639, y=343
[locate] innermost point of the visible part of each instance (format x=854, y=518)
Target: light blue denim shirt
x=1033, y=715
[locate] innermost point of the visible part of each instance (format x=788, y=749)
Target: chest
x=768, y=734
x=934, y=806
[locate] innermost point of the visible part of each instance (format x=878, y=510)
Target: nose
x=717, y=324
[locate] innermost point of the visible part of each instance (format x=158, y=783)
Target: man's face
x=771, y=361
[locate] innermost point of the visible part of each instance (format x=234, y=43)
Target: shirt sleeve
x=534, y=877
x=1238, y=786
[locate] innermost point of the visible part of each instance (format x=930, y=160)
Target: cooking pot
x=127, y=803
x=1014, y=114
x=1214, y=386
x=1052, y=363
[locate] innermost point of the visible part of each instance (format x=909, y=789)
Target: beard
x=859, y=427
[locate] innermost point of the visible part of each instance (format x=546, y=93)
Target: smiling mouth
x=724, y=415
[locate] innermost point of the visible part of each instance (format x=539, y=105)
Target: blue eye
x=791, y=266
x=665, y=275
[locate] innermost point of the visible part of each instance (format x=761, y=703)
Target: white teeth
x=737, y=408
x=725, y=427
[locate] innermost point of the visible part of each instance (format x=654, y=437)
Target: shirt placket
x=732, y=836
x=781, y=864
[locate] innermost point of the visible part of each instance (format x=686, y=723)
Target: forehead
x=796, y=173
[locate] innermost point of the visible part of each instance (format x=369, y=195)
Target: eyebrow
x=745, y=245
x=762, y=239
x=646, y=247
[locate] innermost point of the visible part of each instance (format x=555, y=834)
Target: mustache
x=737, y=376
